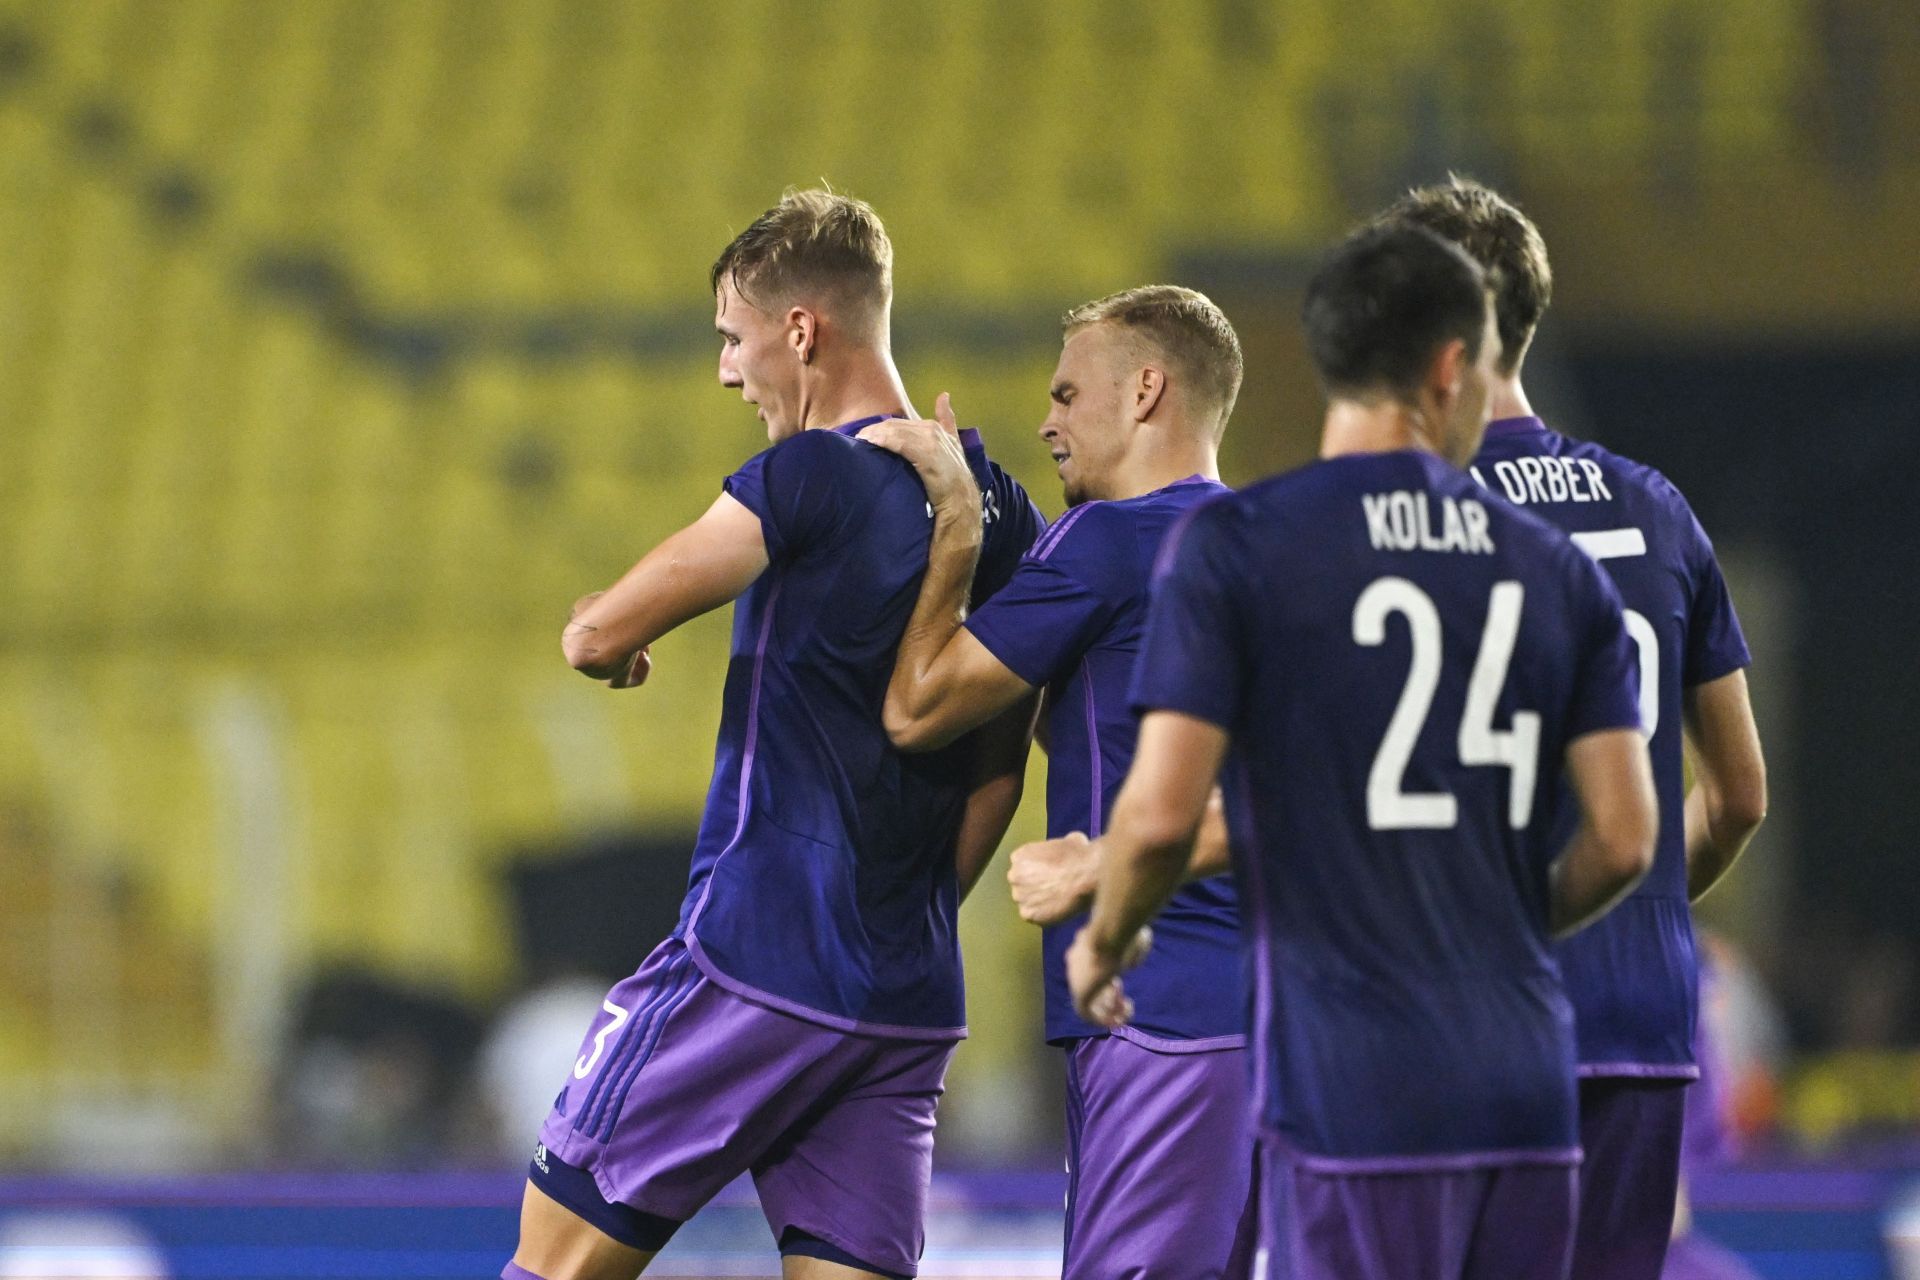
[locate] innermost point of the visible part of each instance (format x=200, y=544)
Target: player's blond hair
x=1183, y=327
x=815, y=245
x=1501, y=239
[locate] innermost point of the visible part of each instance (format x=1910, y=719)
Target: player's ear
x=802, y=332
x=1448, y=371
x=1148, y=386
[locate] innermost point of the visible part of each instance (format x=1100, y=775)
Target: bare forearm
x=938, y=613
x=1729, y=797
x=1212, y=854
x=1137, y=877
x=999, y=776
x=1715, y=840
x=1586, y=883
x=989, y=811
x=701, y=567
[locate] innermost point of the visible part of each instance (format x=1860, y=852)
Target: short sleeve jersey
x=1400, y=663
x=823, y=879
x=1630, y=975
x=1071, y=622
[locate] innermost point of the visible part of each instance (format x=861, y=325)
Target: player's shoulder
x=1639, y=483
x=1088, y=534
x=830, y=455
x=1285, y=491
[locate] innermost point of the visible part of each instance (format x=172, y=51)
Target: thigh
x=1629, y=1176
x=1160, y=1162
x=557, y=1244
x=847, y=1181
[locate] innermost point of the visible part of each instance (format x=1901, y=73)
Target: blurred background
x=343, y=343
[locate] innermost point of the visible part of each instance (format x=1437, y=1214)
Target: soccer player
x=798, y=1021
x=1159, y=1151
x=1632, y=977
x=1392, y=668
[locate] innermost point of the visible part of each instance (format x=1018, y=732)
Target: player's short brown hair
x=815, y=243
x=1185, y=328
x=1501, y=239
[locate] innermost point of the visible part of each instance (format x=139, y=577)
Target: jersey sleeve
x=1715, y=644
x=1015, y=526
x=1606, y=692
x=1053, y=608
x=795, y=489
x=1195, y=658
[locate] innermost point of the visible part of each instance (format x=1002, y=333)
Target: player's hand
x=934, y=449
x=1094, y=978
x=638, y=668
x=1053, y=880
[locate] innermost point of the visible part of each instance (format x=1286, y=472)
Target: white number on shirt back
x=1390, y=807
x=1609, y=544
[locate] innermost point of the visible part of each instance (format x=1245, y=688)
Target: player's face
x=757, y=361
x=1088, y=427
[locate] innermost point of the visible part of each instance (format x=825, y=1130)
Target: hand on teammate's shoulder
x=932, y=446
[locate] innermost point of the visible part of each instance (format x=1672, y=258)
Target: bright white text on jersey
x=1548, y=479
x=1404, y=521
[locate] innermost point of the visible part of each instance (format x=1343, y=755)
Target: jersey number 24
x=1390, y=807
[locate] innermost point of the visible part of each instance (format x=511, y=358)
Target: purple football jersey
x=823, y=880
x=1401, y=664
x=1631, y=975
x=1070, y=622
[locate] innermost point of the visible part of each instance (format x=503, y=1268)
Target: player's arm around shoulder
x=699, y=568
x=945, y=682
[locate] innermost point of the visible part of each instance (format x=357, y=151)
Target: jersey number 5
x=1389, y=806
x=1611, y=544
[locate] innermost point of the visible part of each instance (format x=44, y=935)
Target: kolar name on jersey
x=1403, y=521
x=1548, y=479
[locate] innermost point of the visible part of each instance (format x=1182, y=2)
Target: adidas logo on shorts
x=540, y=1157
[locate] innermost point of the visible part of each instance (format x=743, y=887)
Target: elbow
x=910, y=733
x=1627, y=843
x=573, y=647
x=1744, y=807
x=587, y=657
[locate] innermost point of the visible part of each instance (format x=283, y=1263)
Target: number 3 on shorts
x=585, y=1065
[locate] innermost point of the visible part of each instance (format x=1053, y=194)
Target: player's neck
x=1355, y=426
x=1166, y=459
x=864, y=384
x=1508, y=399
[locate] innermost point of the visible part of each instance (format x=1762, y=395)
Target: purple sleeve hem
x=1726, y=665
x=1006, y=651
